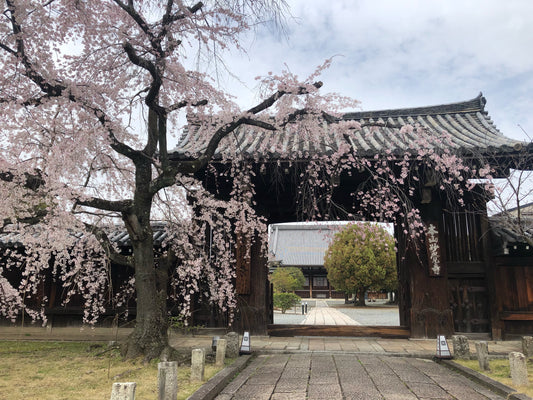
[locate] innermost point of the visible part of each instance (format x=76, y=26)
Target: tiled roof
x=299, y=245
x=507, y=240
x=116, y=235
x=467, y=123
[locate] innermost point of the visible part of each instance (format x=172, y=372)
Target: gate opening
x=321, y=309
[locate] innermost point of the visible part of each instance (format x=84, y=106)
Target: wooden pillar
x=497, y=326
x=404, y=291
x=253, y=292
x=428, y=312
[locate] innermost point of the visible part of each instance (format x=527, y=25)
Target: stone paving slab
x=330, y=376
x=327, y=316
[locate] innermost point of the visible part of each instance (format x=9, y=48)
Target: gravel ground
x=373, y=315
x=377, y=313
x=288, y=318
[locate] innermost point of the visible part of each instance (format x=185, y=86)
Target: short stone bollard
x=197, y=365
x=527, y=346
x=518, y=365
x=461, y=348
x=482, y=351
x=167, y=378
x=221, y=352
x=123, y=391
x=232, y=348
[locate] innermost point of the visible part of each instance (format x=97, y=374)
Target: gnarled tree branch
x=122, y=206
x=107, y=246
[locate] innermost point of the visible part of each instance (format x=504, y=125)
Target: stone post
x=527, y=346
x=517, y=363
x=232, y=349
x=221, y=352
x=123, y=391
x=167, y=378
x=482, y=351
x=197, y=365
x=461, y=348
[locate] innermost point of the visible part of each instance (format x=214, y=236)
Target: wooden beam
x=391, y=332
x=517, y=316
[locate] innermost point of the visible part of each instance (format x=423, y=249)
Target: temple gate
x=445, y=280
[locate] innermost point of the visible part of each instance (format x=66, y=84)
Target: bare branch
x=268, y=102
x=107, y=246
x=191, y=10
x=141, y=62
x=8, y=49
x=134, y=15
x=108, y=205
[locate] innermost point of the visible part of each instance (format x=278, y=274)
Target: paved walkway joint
x=313, y=376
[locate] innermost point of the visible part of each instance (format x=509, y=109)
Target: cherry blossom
x=92, y=96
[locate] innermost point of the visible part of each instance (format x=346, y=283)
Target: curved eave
x=467, y=124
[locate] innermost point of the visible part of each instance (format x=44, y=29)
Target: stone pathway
x=313, y=376
x=322, y=314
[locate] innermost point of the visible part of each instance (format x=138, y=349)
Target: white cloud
x=398, y=54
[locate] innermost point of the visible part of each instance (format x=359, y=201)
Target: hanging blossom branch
x=203, y=246
x=391, y=183
x=70, y=115
x=226, y=129
x=79, y=267
x=57, y=89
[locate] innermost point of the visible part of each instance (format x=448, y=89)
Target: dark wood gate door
x=466, y=263
x=470, y=305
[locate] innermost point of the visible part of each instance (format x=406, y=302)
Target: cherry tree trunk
x=149, y=337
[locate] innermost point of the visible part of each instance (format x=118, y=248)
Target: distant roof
x=301, y=244
x=525, y=209
x=506, y=234
x=507, y=239
x=467, y=122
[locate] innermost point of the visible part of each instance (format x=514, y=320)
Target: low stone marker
x=527, y=346
x=443, y=351
x=123, y=391
x=518, y=365
x=482, y=351
x=221, y=352
x=246, y=347
x=167, y=378
x=214, y=343
x=232, y=348
x=197, y=365
x=461, y=348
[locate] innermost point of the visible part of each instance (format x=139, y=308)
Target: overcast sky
x=397, y=54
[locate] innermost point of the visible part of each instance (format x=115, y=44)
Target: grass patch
x=69, y=370
x=500, y=371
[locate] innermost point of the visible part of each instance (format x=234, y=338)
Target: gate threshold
x=389, y=332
